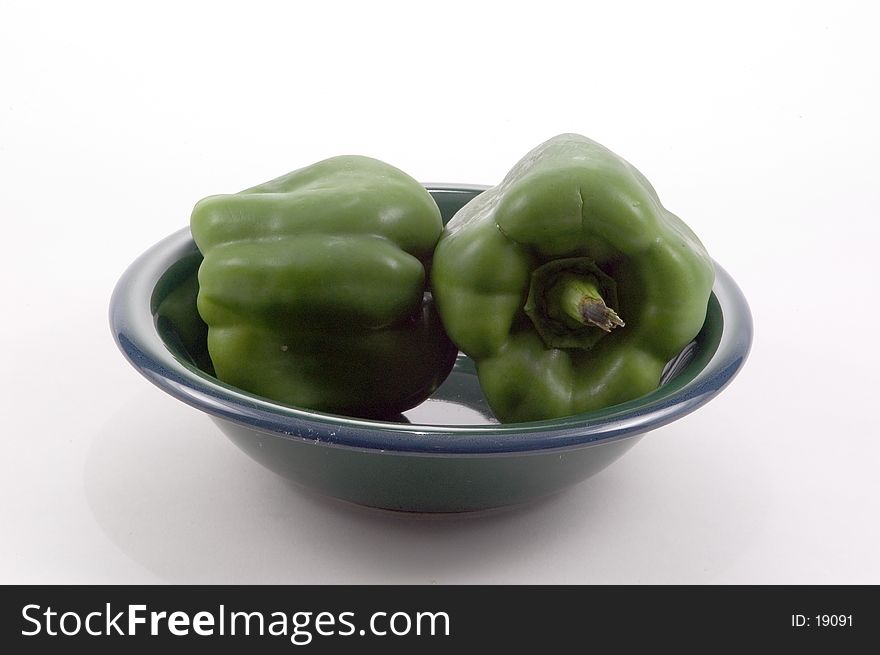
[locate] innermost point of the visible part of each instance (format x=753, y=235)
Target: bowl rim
x=134, y=330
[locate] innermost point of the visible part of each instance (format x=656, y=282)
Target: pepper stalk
x=578, y=298
x=572, y=303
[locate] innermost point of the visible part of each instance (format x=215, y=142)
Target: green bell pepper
x=569, y=284
x=314, y=288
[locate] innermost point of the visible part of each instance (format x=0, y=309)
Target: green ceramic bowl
x=446, y=455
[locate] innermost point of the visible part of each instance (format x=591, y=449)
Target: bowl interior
x=459, y=400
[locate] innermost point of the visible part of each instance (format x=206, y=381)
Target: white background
x=757, y=124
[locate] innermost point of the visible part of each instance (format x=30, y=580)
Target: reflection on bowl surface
x=447, y=454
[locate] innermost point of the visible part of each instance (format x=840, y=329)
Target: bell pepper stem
x=578, y=298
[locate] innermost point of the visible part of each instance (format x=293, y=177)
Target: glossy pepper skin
x=512, y=274
x=313, y=286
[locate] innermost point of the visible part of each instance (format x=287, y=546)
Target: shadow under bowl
x=446, y=455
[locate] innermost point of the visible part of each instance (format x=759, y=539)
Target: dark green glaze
x=425, y=483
